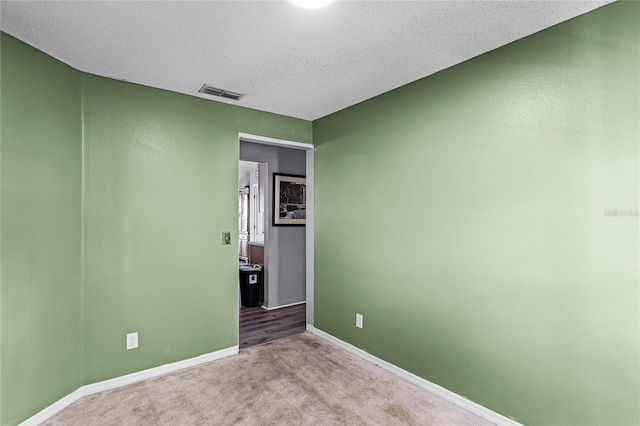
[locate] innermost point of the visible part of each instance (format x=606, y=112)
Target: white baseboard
x=283, y=306
x=452, y=397
x=446, y=394
x=157, y=371
x=53, y=409
x=128, y=379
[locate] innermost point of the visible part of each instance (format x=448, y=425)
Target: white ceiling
x=292, y=61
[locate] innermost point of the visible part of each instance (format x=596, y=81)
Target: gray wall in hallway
x=285, y=246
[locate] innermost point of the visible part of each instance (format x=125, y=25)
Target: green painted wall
x=161, y=176
x=41, y=188
x=476, y=245
x=133, y=183
x=464, y=216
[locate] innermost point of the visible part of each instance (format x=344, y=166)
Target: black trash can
x=250, y=280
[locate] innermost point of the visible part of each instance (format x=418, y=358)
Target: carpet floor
x=299, y=380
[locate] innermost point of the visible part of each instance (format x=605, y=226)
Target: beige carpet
x=300, y=380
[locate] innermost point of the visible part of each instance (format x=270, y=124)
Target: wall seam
x=0, y=238
x=82, y=229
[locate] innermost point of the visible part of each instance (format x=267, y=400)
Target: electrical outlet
x=226, y=238
x=132, y=340
x=358, y=320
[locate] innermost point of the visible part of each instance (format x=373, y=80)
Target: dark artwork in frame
x=289, y=200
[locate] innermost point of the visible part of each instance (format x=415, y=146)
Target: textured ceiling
x=292, y=61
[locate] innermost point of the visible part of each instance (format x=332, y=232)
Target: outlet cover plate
x=132, y=340
x=358, y=320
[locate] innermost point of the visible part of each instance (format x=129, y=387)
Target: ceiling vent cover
x=214, y=91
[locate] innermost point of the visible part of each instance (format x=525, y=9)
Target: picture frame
x=289, y=200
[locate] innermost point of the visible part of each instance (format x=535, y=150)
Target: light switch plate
x=226, y=238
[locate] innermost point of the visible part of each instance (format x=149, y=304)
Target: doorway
x=251, y=211
x=286, y=304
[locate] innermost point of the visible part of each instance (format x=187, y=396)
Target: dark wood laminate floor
x=257, y=325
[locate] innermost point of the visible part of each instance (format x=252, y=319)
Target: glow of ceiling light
x=311, y=4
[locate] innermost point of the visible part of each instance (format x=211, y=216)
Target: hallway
x=258, y=325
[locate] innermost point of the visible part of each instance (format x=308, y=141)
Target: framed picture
x=289, y=200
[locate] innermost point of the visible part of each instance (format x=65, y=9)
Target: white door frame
x=309, y=229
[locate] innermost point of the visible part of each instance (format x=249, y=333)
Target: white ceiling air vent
x=210, y=90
